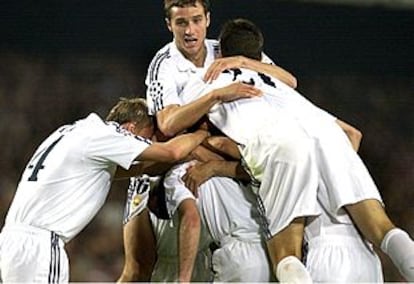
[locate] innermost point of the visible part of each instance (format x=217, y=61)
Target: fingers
x=214, y=71
x=243, y=90
x=191, y=184
x=249, y=90
x=219, y=65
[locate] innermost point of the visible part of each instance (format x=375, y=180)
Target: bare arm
x=221, y=64
x=175, y=149
x=203, y=154
x=354, y=135
x=174, y=119
x=223, y=146
x=148, y=167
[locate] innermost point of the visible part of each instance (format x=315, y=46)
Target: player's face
x=189, y=27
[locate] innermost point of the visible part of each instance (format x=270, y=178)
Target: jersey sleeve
x=117, y=146
x=161, y=85
x=326, y=114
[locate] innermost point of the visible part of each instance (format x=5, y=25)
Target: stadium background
x=61, y=60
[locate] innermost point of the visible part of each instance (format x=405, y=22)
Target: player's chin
x=192, y=47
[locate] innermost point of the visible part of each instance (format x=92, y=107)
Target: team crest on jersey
x=137, y=200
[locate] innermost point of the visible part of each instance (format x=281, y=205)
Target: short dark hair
x=130, y=110
x=168, y=4
x=241, y=37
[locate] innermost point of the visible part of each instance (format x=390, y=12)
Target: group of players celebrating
x=235, y=176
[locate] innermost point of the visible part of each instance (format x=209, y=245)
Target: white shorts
x=345, y=178
x=241, y=261
x=29, y=254
x=346, y=259
x=285, y=168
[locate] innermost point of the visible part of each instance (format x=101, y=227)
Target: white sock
x=400, y=248
x=291, y=270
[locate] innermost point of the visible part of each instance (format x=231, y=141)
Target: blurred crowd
x=38, y=94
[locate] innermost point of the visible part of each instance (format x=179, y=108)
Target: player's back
x=240, y=119
x=62, y=187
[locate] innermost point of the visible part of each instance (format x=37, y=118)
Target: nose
x=189, y=29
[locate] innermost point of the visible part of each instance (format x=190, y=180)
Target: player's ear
x=168, y=23
x=208, y=19
x=130, y=126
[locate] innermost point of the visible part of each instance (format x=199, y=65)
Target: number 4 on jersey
x=39, y=164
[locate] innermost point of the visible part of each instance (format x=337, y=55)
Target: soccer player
x=347, y=194
x=67, y=181
x=150, y=241
x=174, y=64
x=167, y=75
x=229, y=213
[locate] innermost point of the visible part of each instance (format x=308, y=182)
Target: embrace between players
x=280, y=175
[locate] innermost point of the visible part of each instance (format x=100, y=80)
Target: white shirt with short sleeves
x=62, y=188
x=343, y=179
x=69, y=176
x=229, y=214
x=169, y=72
x=276, y=149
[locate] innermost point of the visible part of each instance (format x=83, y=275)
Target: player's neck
x=199, y=58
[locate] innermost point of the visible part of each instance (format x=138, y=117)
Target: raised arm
x=174, y=119
x=221, y=64
x=174, y=150
x=151, y=168
x=224, y=146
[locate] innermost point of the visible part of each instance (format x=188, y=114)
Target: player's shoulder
x=212, y=42
x=164, y=53
x=166, y=61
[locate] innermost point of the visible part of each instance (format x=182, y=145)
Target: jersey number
x=39, y=165
x=266, y=79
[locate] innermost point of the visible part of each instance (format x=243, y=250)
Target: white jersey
x=169, y=72
x=68, y=178
x=244, y=119
x=276, y=150
x=229, y=214
x=340, y=168
x=227, y=207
